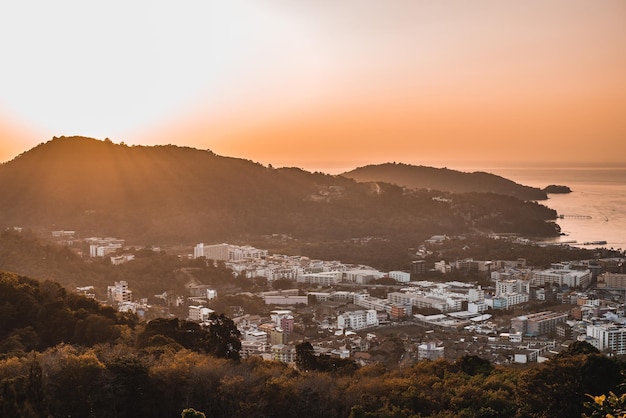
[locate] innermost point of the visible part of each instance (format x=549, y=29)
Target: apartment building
x=227, y=252
x=323, y=278
x=357, y=319
x=540, y=323
x=607, y=337
x=119, y=292
x=561, y=274
x=612, y=281
x=400, y=276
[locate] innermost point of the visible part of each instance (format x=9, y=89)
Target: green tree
x=224, y=338
x=305, y=357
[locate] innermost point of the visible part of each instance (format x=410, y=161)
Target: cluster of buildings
x=253, y=263
x=102, y=247
x=450, y=306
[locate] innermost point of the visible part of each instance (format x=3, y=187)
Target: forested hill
x=420, y=177
x=168, y=193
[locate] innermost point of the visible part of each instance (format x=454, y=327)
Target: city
x=520, y=314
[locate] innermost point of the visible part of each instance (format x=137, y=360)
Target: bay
x=594, y=211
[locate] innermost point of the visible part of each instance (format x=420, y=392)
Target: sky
x=325, y=85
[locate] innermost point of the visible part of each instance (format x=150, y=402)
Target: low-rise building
x=199, y=313
x=540, y=323
x=400, y=276
x=560, y=274
x=430, y=351
x=284, y=353
x=357, y=319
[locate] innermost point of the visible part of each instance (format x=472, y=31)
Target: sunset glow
x=322, y=85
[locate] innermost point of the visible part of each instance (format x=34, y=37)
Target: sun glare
x=113, y=68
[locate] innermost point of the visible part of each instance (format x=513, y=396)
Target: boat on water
x=595, y=243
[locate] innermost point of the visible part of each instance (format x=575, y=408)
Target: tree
x=224, y=337
x=192, y=413
x=305, y=357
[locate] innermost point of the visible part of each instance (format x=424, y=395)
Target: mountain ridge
x=422, y=177
x=180, y=194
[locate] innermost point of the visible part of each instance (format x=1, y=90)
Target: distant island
x=556, y=189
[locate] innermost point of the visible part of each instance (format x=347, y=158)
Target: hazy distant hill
x=420, y=177
x=176, y=194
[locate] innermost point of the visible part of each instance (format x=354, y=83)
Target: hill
x=171, y=194
x=420, y=177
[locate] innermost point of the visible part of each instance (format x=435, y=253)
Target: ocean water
x=594, y=211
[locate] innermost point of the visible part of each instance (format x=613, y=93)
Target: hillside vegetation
x=64, y=355
x=170, y=194
x=420, y=177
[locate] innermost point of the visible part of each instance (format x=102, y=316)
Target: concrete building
x=252, y=348
x=285, y=300
x=510, y=286
x=121, y=259
x=476, y=295
x=508, y=300
x=202, y=291
x=283, y=319
x=255, y=335
x=418, y=267
x=429, y=351
x=400, y=276
x=608, y=337
x=443, y=267
x=227, y=252
x=119, y=292
x=284, y=353
x=102, y=247
x=540, y=323
x=357, y=319
x=328, y=278
x=361, y=276
x=561, y=274
x=199, y=313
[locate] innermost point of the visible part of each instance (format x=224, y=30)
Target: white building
x=101, y=247
x=509, y=286
x=476, y=295
x=121, y=259
x=227, y=252
x=357, y=319
x=429, y=351
x=400, y=276
x=284, y=353
x=560, y=274
x=199, y=313
x=323, y=278
x=609, y=337
x=255, y=335
x=443, y=267
x=252, y=348
x=361, y=276
x=119, y=292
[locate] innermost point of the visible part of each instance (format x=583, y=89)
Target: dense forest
x=170, y=194
x=63, y=355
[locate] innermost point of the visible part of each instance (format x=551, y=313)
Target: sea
x=594, y=212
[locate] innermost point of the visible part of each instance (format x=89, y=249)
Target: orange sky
x=324, y=85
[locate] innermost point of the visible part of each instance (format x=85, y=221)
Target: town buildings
x=608, y=337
